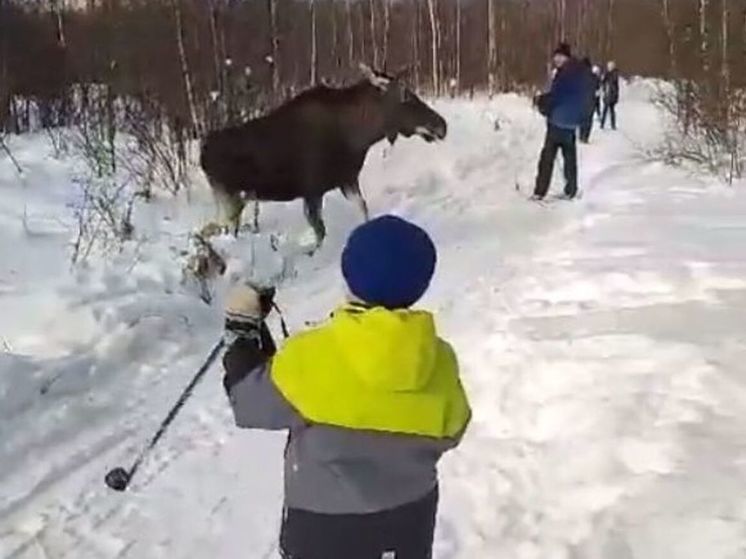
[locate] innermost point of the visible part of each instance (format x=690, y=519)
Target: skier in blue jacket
x=564, y=106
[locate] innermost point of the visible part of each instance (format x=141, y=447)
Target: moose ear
x=381, y=82
x=403, y=72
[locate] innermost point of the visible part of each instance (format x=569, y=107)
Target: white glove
x=246, y=308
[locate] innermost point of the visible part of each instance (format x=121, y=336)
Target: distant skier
x=372, y=399
x=592, y=97
x=565, y=107
x=610, y=94
x=598, y=75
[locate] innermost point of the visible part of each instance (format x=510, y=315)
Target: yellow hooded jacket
x=374, y=370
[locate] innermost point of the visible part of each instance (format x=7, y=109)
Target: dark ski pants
x=587, y=128
x=558, y=139
x=609, y=111
x=402, y=533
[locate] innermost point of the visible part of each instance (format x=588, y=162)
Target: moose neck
x=365, y=117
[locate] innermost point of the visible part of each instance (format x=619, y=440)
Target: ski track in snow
x=601, y=342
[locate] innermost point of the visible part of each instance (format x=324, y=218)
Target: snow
x=601, y=342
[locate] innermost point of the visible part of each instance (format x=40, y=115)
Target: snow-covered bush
x=103, y=209
x=103, y=214
x=707, y=127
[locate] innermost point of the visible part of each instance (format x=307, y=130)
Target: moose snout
x=436, y=130
x=441, y=129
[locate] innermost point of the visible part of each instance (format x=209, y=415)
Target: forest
x=203, y=63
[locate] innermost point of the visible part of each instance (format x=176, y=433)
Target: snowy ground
x=601, y=341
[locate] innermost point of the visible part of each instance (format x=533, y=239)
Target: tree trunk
x=671, y=38
x=503, y=54
x=458, y=44
x=57, y=7
x=704, y=45
x=350, y=34
x=434, y=43
x=610, y=30
x=6, y=111
x=386, y=31
x=335, y=39
x=374, y=33
x=274, y=47
x=314, y=45
x=214, y=38
x=492, y=47
x=361, y=13
x=725, y=38
x=186, y=74
x=416, y=42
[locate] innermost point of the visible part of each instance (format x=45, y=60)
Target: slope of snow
x=601, y=342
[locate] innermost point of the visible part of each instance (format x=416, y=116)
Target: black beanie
x=564, y=49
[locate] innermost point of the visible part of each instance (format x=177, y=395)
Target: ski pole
x=283, y=324
x=119, y=478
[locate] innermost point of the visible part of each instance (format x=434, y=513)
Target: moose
x=314, y=143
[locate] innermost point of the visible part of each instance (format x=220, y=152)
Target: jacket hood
x=388, y=350
x=374, y=370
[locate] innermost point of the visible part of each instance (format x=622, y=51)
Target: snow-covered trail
x=601, y=342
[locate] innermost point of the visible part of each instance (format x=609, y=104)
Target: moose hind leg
x=313, y=208
x=354, y=195
x=235, y=206
x=218, y=224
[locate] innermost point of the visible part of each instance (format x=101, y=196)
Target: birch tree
x=350, y=34
x=335, y=36
x=386, y=31
x=361, y=13
x=373, y=33
x=458, y=44
x=57, y=7
x=610, y=29
x=416, y=41
x=185, y=72
x=670, y=37
x=215, y=41
x=704, y=38
x=314, y=45
x=492, y=47
x=725, y=66
x=274, y=56
x=434, y=44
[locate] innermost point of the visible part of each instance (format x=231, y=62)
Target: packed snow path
x=602, y=343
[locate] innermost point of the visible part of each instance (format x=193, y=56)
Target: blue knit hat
x=389, y=262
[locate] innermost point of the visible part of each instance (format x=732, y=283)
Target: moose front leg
x=313, y=209
x=353, y=194
x=256, y=216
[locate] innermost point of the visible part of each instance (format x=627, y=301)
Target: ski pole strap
x=283, y=324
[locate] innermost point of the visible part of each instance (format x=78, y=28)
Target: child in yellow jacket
x=371, y=400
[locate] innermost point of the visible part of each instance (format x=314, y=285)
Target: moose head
x=405, y=112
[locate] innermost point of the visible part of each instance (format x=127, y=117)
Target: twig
x=13, y=160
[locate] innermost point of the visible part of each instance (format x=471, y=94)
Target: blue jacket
x=568, y=96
